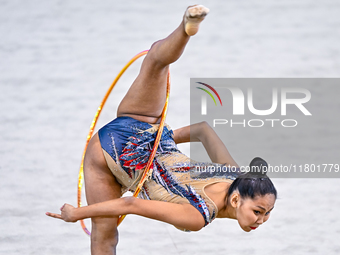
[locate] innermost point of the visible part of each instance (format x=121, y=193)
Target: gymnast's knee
x=155, y=57
x=104, y=234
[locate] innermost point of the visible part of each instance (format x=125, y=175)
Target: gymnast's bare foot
x=193, y=16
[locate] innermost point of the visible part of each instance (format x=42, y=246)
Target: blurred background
x=58, y=58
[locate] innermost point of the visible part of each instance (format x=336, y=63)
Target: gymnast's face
x=251, y=213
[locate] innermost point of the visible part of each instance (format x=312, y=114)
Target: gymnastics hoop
x=147, y=169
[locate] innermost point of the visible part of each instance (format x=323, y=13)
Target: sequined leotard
x=127, y=144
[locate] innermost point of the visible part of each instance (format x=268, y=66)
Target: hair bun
x=258, y=167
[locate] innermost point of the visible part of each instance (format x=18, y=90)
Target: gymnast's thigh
x=100, y=183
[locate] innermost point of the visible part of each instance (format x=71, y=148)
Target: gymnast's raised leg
x=146, y=97
x=144, y=101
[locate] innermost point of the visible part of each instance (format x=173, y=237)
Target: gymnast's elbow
x=194, y=223
x=191, y=228
x=129, y=204
x=196, y=228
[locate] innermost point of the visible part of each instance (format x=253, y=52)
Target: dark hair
x=255, y=182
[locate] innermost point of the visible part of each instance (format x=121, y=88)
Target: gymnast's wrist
x=78, y=214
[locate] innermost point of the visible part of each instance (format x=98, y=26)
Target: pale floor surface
x=59, y=57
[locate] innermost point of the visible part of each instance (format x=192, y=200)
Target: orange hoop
x=93, y=124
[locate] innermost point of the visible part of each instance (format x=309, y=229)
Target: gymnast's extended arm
x=202, y=132
x=180, y=215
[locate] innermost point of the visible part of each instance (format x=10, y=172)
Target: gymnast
x=175, y=192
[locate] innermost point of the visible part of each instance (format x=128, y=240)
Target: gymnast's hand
x=67, y=213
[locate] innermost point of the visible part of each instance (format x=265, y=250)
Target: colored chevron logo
x=209, y=93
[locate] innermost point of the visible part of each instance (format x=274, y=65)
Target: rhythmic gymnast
x=175, y=192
